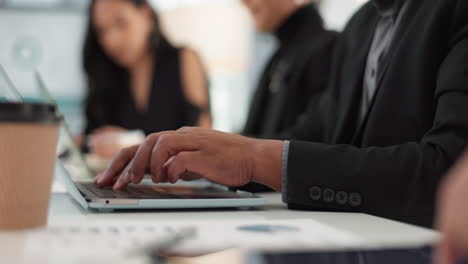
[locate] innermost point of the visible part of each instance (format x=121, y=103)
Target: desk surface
x=374, y=231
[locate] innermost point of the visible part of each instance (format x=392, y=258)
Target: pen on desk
x=154, y=249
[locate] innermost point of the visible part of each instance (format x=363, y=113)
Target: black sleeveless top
x=168, y=107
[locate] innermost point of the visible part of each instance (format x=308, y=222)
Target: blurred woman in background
x=137, y=80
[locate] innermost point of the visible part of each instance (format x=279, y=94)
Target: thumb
x=185, y=165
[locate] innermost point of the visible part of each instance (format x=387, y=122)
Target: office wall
x=221, y=33
x=49, y=41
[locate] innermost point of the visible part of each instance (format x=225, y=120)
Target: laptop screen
x=69, y=153
x=8, y=92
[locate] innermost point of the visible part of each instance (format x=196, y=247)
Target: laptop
x=183, y=195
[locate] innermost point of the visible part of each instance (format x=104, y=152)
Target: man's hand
x=190, y=153
x=453, y=215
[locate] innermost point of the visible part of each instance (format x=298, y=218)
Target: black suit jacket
x=417, y=127
x=298, y=72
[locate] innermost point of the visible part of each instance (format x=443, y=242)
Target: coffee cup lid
x=28, y=112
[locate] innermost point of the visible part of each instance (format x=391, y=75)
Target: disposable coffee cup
x=28, y=141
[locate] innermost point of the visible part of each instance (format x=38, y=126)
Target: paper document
x=120, y=238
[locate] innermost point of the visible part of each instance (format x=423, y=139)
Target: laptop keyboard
x=129, y=193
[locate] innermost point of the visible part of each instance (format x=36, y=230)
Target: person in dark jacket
x=138, y=80
x=387, y=129
x=297, y=72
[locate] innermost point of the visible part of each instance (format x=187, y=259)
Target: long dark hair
x=105, y=78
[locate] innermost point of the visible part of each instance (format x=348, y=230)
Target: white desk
x=373, y=230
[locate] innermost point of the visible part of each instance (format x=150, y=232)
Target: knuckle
x=122, y=153
x=151, y=137
x=186, y=129
x=131, y=150
x=134, y=148
x=149, y=141
x=165, y=140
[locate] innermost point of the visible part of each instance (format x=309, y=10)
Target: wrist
x=266, y=167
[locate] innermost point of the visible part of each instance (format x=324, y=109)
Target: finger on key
x=119, y=162
x=167, y=147
x=123, y=179
x=96, y=179
x=142, y=157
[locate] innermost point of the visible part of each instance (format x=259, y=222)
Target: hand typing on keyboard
x=188, y=153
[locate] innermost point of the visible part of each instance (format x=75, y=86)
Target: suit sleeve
x=398, y=182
